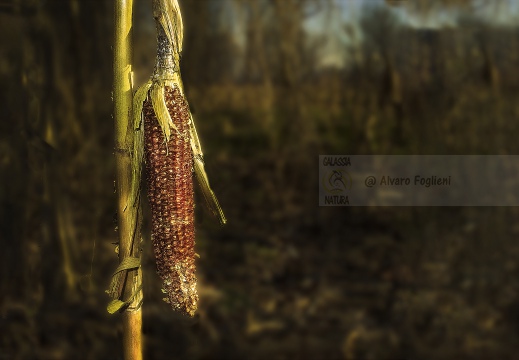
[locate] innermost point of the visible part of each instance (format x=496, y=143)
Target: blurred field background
x=272, y=84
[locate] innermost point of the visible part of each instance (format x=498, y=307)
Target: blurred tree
x=381, y=31
x=57, y=74
x=210, y=53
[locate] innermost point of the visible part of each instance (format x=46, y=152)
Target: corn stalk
x=126, y=286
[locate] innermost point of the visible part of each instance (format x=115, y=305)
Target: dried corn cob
x=171, y=150
x=169, y=168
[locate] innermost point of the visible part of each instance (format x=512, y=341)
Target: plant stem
x=132, y=339
x=128, y=214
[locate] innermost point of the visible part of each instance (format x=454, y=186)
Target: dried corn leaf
x=167, y=13
x=138, y=141
x=161, y=110
x=209, y=196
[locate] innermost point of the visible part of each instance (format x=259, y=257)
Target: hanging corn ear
x=171, y=151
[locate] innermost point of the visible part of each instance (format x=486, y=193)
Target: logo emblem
x=336, y=181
